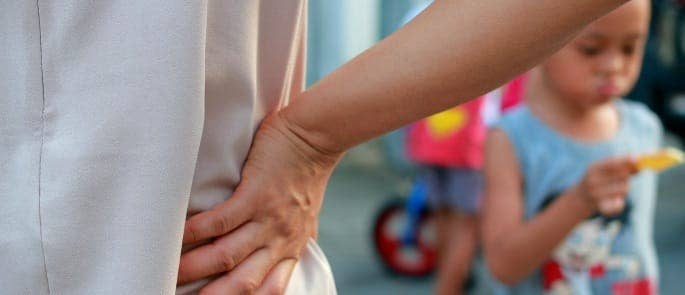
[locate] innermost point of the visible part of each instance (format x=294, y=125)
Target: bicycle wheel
x=409, y=258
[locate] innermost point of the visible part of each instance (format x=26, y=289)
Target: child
x=565, y=210
x=449, y=148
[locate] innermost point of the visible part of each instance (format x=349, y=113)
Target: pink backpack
x=456, y=137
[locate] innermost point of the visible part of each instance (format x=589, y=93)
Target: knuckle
x=227, y=259
x=280, y=216
x=287, y=227
x=246, y=286
x=273, y=252
x=287, y=230
x=221, y=224
x=191, y=229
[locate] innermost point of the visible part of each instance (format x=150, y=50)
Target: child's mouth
x=609, y=89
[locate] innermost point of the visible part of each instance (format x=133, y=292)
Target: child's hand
x=605, y=184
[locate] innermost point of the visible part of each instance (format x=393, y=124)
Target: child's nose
x=611, y=63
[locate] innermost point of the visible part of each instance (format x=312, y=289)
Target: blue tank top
x=602, y=255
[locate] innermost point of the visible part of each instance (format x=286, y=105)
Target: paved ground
x=355, y=193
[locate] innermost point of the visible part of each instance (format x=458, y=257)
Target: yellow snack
x=661, y=160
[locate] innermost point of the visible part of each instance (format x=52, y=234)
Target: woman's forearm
x=519, y=252
x=454, y=51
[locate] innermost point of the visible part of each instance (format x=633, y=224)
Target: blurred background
x=373, y=172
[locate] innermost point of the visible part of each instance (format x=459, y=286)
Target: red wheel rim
x=413, y=260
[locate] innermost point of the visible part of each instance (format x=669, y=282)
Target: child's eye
x=628, y=49
x=589, y=50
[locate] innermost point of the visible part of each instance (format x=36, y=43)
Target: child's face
x=604, y=60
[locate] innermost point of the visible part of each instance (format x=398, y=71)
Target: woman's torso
x=120, y=118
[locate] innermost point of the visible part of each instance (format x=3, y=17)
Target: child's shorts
x=459, y=189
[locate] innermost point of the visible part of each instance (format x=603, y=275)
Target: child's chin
x=599, y=100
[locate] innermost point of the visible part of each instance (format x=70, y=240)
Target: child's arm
x=515, y=247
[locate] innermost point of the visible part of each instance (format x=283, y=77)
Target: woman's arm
x=453, y=51
x=514, y=247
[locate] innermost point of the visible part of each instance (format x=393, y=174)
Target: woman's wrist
x=314, y=146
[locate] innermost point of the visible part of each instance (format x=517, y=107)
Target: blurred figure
x=448, y=147
x=565, y=212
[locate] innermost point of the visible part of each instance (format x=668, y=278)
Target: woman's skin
x=455, y=50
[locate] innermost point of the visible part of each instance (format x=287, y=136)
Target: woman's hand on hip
x=257, y=234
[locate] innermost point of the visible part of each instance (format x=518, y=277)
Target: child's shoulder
x=641, y=117
x=515, y=115
x=514, y=120
x=518, y=125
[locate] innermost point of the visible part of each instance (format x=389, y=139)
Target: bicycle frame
x=415, y=206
